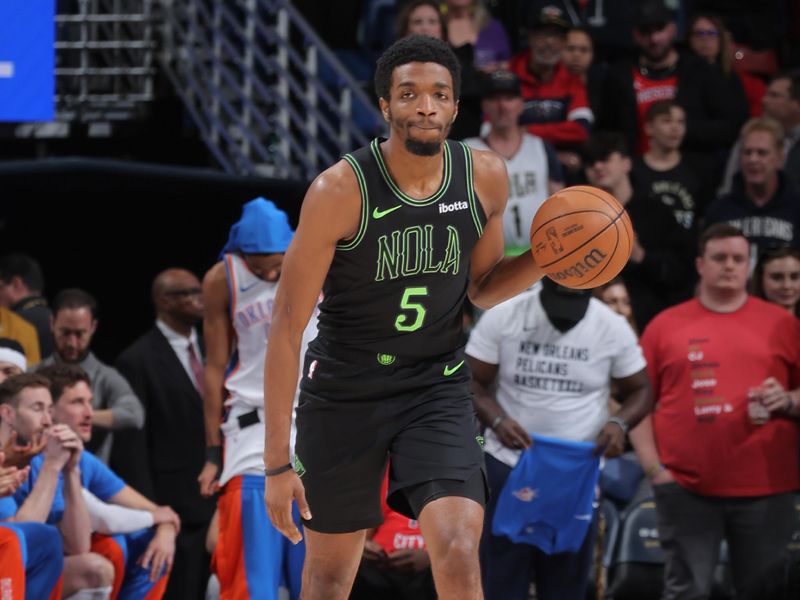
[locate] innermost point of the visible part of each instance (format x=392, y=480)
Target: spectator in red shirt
x=719, y=469
x=556, y=105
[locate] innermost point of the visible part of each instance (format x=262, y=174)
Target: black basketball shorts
x=354, y=415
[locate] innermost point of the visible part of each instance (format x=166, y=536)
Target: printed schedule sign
x=27, y=56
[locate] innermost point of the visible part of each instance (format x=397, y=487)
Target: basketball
x=581, y=236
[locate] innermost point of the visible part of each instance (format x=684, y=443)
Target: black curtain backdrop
x=110, y=226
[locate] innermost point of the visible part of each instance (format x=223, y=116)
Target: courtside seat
x=637, y=570
x=613, y=522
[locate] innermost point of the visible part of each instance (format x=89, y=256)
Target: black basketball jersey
x=398, y=287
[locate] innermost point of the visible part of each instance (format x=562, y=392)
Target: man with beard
x=556, y=105
x=142, y=558
x=660, y=72
x=25, y=415
x=396, y=235
x=164, y=367
x=115, y=405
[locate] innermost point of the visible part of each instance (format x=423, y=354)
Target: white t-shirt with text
x=554, y=384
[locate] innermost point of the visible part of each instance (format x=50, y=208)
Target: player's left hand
x=279, y=492
x=774, y=397
x=410, y=560
x=610, y=441
x=160, y=552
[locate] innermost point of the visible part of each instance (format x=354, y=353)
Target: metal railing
x=265, y=92
x=105, y=53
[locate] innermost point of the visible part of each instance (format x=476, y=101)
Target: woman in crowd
x=578, y=57
x=776, y=278
x=615, y=295
x=421, y=17
x=470, y=24
x=710, y=40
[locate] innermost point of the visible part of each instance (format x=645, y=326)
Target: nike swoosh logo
x=450, y=370
x=379, y=214
x=248, y=287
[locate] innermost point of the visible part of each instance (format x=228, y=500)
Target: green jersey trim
x=362, y=186
x=376, y=151
x=473, y=208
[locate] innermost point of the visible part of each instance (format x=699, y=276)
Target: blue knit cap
x=263, y=229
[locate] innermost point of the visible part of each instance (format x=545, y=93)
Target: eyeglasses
x=184, y=293
x=704, y=33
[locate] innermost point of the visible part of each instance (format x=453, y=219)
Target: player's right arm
x=494, y=278
x=331, y=212
x=218, y=338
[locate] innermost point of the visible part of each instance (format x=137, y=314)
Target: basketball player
x=397, y=235
x=251, y=558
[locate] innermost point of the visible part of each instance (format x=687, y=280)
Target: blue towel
x=263, y=229
x=547, y=499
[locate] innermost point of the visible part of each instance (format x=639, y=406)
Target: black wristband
x=277, y=470
x=214, y=455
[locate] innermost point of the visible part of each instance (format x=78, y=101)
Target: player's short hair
x=662, y=107
x=415, y=48
x=766, y=124
x=11, y=388
x=74, y=298
x=61, y=376
x=25, y=267
x=718, y=231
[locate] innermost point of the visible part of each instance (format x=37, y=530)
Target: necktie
x=197, y=369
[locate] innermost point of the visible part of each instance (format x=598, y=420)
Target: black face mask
x=564, y=307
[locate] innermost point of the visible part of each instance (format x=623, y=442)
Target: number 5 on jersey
x=417, y=311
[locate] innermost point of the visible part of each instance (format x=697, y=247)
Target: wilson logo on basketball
x=589, y=262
